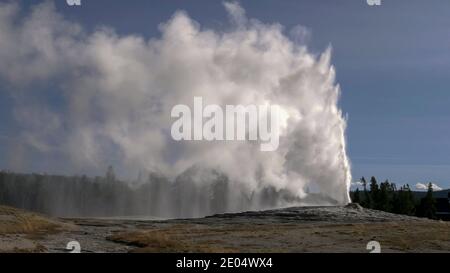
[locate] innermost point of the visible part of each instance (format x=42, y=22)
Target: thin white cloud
x=357, y=184
x=421, y=186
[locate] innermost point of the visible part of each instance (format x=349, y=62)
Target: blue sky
x=392, y=62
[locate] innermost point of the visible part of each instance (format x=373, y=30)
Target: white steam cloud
x=118, y=91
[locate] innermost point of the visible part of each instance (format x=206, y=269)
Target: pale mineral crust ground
x=295, y=230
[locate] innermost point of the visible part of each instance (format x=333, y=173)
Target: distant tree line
x=386, y=197
x=151, y=196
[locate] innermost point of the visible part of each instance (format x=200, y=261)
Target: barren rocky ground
x=304, y=229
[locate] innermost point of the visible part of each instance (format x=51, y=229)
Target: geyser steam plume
x=115, y=94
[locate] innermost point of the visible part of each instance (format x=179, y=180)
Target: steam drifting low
x=116, y=94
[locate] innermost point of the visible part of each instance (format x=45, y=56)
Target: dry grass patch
x=161, y=241
x=429, y=236
x=16, y=221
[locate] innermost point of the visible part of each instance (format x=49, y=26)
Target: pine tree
x=110, y=175
x=374, y=193
x=367, y=200
x=410, y=207
x=403, y=201
x=356, y=198
x=429, y=203
x=385, y=196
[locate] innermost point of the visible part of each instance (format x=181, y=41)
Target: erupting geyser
x=115, y=96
